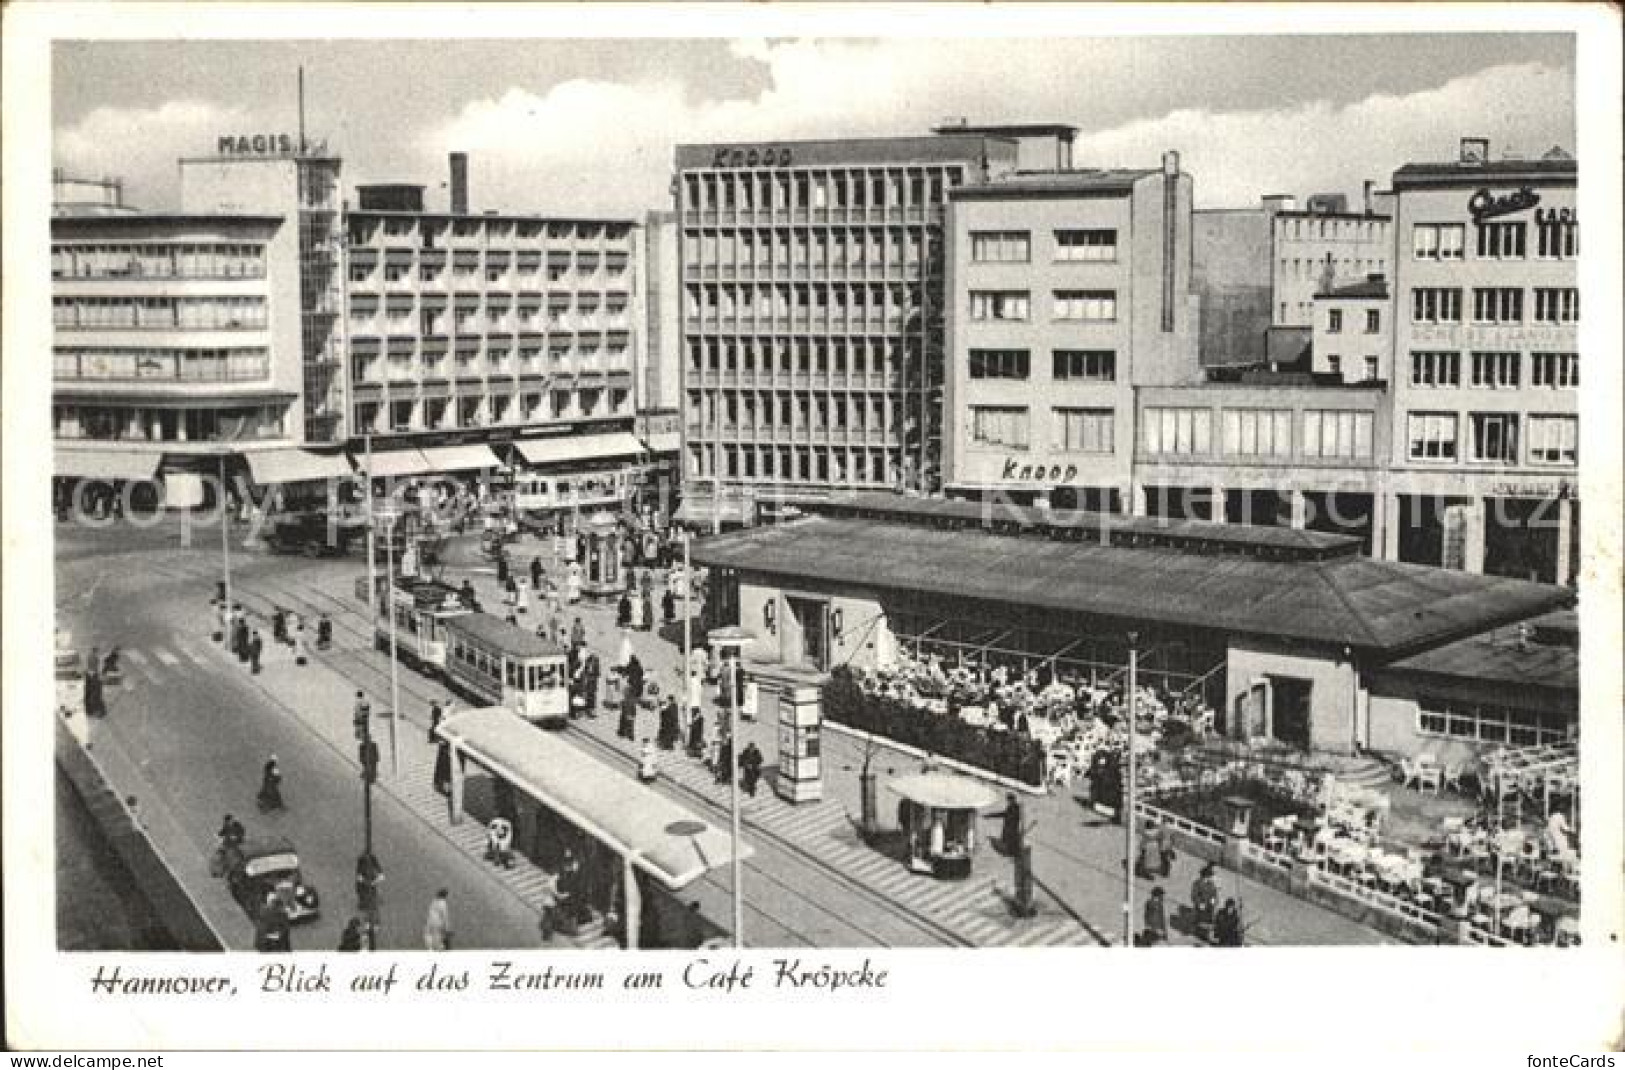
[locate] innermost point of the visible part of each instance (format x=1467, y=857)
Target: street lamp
x=1126, y=806
x=225, y=551
x=730, y=698
x=389, y=516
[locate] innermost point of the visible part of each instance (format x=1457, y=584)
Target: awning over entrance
x=291, y=466
x=578, y=448
x=107, y=464
x=460, y=458
x=665, y=442
x=701, y=511
x=391, y=464
x=656, y=834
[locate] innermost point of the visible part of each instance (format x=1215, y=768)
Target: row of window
x=1486, y=723
x=825, y=464
x=1066, y=365
x=374, y=367
x=1557, y=239
x=150, y=260
x=361, y=274
x=183, y=313
x=839, y=247
x=1494, y=437
x=1097, y=306
x=186, y=365
x=1334, y=321
x=448, y=414
x=364, y=229
x=1326, y=433
x=1495, y=370
x=766, y=191
x=892, y=299
x=781, y=410
x=802, y=356
x=1015, y=246
x=1495, y=304
x=244, y=423
x=1072, y=430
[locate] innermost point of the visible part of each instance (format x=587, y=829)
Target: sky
x=587, y=126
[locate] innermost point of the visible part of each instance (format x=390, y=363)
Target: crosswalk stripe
x=197, y=659
x=167, y=658
x=135, y=657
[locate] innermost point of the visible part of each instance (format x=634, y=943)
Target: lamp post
x=225, y=550
x=394, y=654
x=730, y=698
x=688, y=626
x=1127, y=803
x=372, y=552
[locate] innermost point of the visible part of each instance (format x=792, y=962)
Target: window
x=1000, y=246
x=1177, y=431
x=1373, y=321
x=999, y=305
x=1433, y=436
x=1438, y=241
x=1435, y=369
x=1371, y=369
x=1553, y=439
x=1085, y=365
x=1334, y=321
x=1557, y=305
x=1334, y=364
x=1491, y=724
x=1092, y=305
x=1557, y=239
x=1085, y=430
x=1435, y=305
x=999, y=364
x=1557, y=370
x=1257, y=432
x=1005, y=426
x=1495, y=437
x=1495, y=370
x=1501, y=241
x=1086, y=245
x=1497, y=304
x=1334, y=433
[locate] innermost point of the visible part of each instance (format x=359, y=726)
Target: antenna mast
x=301, y=110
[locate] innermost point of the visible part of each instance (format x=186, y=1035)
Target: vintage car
x=271, y=867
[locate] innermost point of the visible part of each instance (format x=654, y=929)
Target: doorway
x=809, y=636
x=1289, y=710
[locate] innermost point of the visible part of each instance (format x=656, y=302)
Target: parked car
x=271, y=867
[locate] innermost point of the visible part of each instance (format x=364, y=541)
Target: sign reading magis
x=255, y=144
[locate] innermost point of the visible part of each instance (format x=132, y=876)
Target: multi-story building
x=1352, y=337
x=1484, y=463
x=73, y=195
x=1068, y=289
x=812, y=283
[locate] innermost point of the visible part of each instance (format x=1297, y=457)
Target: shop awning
x=665, y=442
x=107, y=464
x=391, y=464
x=460, y=458
x=701, y=511
x=943, y=791
x=566, y=448
x=291, y=466
x=659, y=836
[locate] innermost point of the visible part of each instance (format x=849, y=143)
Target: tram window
x=510, y=676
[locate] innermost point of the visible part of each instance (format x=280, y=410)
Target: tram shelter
x=658, y=846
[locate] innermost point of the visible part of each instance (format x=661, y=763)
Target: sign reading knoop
x=254, y=144
x=1015, y=469
x=763, y=156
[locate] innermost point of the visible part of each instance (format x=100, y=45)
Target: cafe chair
x=1452, y=776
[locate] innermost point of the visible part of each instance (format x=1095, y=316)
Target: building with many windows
x=812, y=282
x=1485, y=459
x=1067, y=291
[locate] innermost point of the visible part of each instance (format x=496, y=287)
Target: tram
x=421, y=609
x=537, y=492
x=497, y=664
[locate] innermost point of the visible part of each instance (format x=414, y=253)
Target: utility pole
x=367, y=864
x=1126, y=806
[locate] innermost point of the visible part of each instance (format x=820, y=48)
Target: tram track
x=349, y=660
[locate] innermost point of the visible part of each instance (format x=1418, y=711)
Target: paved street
x=198, y=726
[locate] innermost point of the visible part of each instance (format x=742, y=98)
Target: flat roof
x=1378, y=607
x=1117, y=180
x=1454, y=173
x=494, y=216
x=851, y=151
x=161, y=219
x=654, y=833
x=1499, y=659
x=1061, y=130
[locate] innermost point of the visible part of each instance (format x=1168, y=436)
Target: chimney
x=1367, y=192
x=1170, y=162
x=1475, y=150
x=459, y=183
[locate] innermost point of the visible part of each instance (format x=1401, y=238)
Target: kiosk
x=800, y=777
x=604, y=576
x=938, y=815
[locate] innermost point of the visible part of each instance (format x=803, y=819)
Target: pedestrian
x=648, y=607
x=696, y=734
x=368, y=875
x=647, y=771
x=350, y=939
x=361, y=714
x=522, y=602
x=750, y=768
x=502, y=567
x=442, y=768
x=499, y=842
x=467, y=593
x=95, y=706
x=623, y=612
x=270, y=796
x=299, y=645
x=437, y=926
x=1156, y=919
x=668, y=606
x=272, y=929
x=590, y=686
x=436, y=715
x=670, y=728
x=1148, y=860
x=324, y=633
x=1227, y=925
x=627, y=728
x=635, y=677
x=279, y=625
x=536, y=573
x=578, y=633
x=1165, y=851
x=724, y=760
x=256, y=648
x=1204, y=900
x=1010, y=831
x=547, y=907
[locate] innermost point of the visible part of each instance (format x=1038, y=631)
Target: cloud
x=141, y=145
x=595, y=146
